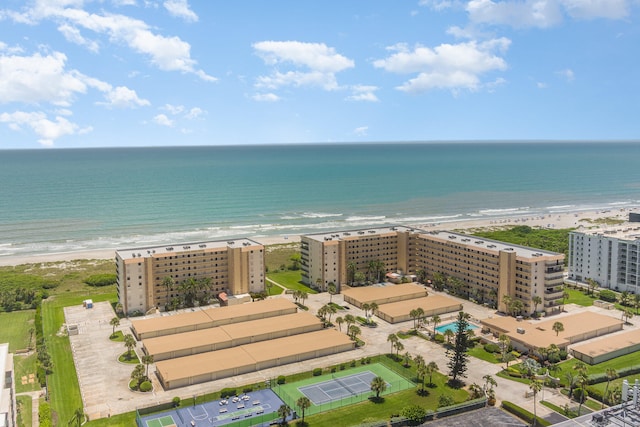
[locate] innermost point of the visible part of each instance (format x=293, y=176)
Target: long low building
x=233, y=335
x=533, y=335
x=210, y=317
x=603, y=349
x=432, y=305
x=233, y=361
x=383, y=294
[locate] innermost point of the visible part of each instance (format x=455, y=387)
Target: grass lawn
x=479, y=352
x=117, y=337
x=291, y=280
x=64, y=390
x=578, y=297
x=129, y=358
x=25, y=365
x=24, y=410
x=617, y=363
x=15, y=329
x=122, y=420
x=392, y=404
x=275, y=290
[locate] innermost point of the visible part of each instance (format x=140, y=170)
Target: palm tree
x=351, y=272
x=168, y=284
x=636, y=302
x=339, y=322
x=421, y=373
x=138, y=374
x=420, y=312
x=393, y=339
x=421, y=275
x=627, y=314
x=332, y=289
x=284, y=411
x=378, y=385
x=354, y=331
x=612, y=374
x=476, y=391
x=435, y=320
x=399, y=348
x=330, y=310
x=571, y=381
x=147, y=359
x=414, y=315
x=366, y=307
x=303, y=403
x=115, y=322
x=418, y=360
x=489, y=381
x=507, y=300
x=557, y=327
x=303, y=296
x=448, y=334
x=130, y=343
x=536, y=301
x=406, y=359
x=373, y=307
x=319, y=283
x=432, y=368
x=78, y=416
x=349, y=320
x=535, y=386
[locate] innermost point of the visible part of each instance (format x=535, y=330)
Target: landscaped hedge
x=622, y=372
x=281, y=379
x=145, y=386
x=101, y=280
x=608, y=295
x=491, y=348
x=317, y=372
x=523, y=413
x=226, y=392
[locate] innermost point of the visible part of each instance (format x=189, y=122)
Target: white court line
x=199, y=417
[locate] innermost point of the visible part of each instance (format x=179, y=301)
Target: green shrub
x=227, y=392
x=175, y=401
x=608, y=295
x=248, y=389
x=352, y=364
x=579, y=394
x=445, y=400
x=101, y=280
x=333, y=369
x=439, y=338
x=44, y=414
x=414, y=414
x=523, y=413
x=491, y=348
x=281, y=380
x=553, y=357
x=145, y=386
x=563, y=354
x=342, y=366
x=317, y=372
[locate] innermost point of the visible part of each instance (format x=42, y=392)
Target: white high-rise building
x=7, y=388
x=610, y=256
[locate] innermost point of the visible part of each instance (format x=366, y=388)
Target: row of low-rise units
x=383, y=294
x=247, y=358
x=532, y=335
x=231, y=335
x=432, y=305
x=603, y=349
x=199, y=319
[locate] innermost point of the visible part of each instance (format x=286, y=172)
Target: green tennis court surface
x=166, y=421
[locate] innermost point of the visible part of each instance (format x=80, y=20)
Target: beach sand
x=579, y=220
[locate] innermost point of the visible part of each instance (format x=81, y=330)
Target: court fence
x=291, y=401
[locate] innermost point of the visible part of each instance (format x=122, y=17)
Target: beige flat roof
x=169, y=321
x=610, y=343
x=199, y=364
x=178, y=320
x=184, y=340
x=400, y=308
x=249, y=354
x=540, y=334
x=227, y=333
x=580, y=323
x=256, y=307
x=375, y=293
x=298, y=344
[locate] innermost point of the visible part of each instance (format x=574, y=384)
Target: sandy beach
x=579, y=220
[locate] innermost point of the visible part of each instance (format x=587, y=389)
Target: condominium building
x=154, y=277
x=487, y=269
x=7, y=388
x=609, y=256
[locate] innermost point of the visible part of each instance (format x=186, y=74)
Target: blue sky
x=96, y=73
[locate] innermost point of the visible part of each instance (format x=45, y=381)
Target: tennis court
x=338, y=388
x=165, y=421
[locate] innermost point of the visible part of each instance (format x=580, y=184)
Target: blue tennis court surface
x=254, y=406
x=339, y=387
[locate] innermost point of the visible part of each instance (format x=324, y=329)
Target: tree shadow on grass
x=457, y=384
x=423, y=392
x=376, y=400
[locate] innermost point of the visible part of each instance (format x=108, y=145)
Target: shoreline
x=563, y=220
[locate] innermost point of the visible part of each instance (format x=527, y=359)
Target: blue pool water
x=452, y=326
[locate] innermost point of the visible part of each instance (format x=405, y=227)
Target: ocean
x=85, y=199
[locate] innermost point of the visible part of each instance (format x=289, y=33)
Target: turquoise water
x=66, y=200
x=453, y=326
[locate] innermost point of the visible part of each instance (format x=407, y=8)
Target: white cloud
x=180, y=8
x=361, y=131
x=543, y=13
x=266, y=97
x=36, y=78
x=447, y=66
x=73, y=35
x=166, y=53
x=48, y=130
x=320, y=64
x=163, y=120
x=591, y=9
x=541, y=85
x=173, y=109
x=194, y=113
x=363, y=93
x=567, y=74
x=123, y=97
x=439, y=4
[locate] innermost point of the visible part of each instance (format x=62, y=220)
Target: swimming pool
x=453, y=326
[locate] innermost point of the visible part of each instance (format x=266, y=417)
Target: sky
x=107, y=73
